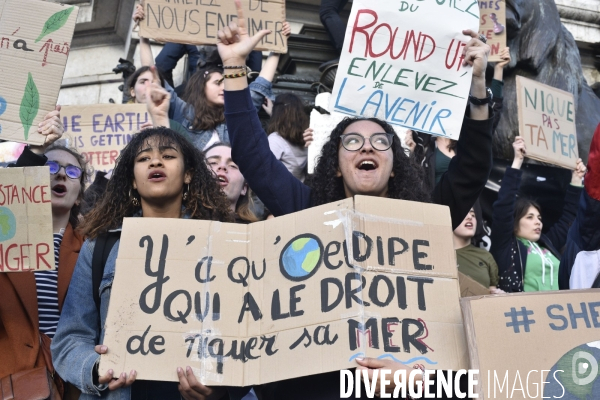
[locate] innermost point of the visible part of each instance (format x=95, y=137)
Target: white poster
x=402, y=62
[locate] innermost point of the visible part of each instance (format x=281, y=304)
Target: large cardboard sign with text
x=35, y=40
x=547, y=123
x=535, y=345
x=401, y=62
x=197, y=22
x=492, y=25
x=26, y=241
x=297, y=295
x=100, y=131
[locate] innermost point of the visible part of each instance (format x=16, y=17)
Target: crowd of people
x=205, y=155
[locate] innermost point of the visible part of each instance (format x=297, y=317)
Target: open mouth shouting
x=222, y=180
x=367, y=165
x=59, y=190
x=157, y=176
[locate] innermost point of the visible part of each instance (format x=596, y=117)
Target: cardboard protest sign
x=470, y=287
x=492, y=25
x=100, y=131
x=198, y=21
x=535, y=345
x=35, y=39
x=547, y=123
x=26, y=241
x=400, y=63
x=297, y=295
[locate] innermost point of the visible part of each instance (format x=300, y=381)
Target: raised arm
x=146, y=57
x=281, y=192
x=503, y=213
x=469, y=170
x=558, y=233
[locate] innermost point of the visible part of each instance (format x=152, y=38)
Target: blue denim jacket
x=78, y=332
x=182, y=112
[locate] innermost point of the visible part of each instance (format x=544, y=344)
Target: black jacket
x=510, y=254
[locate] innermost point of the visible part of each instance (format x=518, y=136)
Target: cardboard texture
x=470, y=287
x=35, y=39
x=492, y=25
x=26, y=241
x=101, y=131
x=277, y=298
x=520, y=340
x=547, y=123
x=197, y=22
x=401, y=62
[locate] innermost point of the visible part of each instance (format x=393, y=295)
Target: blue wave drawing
x=388, y=355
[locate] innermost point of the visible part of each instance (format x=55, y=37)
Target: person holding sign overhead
x=200, y=109
x=159, y=174
x=31, y=303
x=362, y=157
x=528, y=260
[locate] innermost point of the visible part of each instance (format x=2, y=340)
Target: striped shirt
x=47, y=293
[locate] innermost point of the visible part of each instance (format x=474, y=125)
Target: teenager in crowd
x=159, y=174
x=31, y=302
x=200, y=109
x=287, y=126
x=232, y=182
x=580, y=263
x=472, y=260
x=528, y=260
x=362, y=157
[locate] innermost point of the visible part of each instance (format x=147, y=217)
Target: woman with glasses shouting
x=31, y=302
x=363, y=156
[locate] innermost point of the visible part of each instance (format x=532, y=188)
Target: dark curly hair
x=206, y=116
x=205, y=199
x=406, y=184
x=86, y=173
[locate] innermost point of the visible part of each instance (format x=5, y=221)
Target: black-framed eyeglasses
x=356, y=141
x=72, y=171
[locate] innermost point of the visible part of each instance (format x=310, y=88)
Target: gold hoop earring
x=185, y=194
x=134, y=200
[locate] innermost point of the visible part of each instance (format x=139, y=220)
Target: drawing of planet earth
x=8, y=224
x=578, y=372
x=301, y=257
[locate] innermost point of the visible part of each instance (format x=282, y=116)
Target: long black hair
x=205, y=200
x=406, y=184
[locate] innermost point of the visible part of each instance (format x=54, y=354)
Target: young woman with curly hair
x=361, y=157
x=159, y=174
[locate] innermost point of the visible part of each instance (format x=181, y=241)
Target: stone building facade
x=103, y=36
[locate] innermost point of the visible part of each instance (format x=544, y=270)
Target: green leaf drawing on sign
x=55, y=22
x=29, y=105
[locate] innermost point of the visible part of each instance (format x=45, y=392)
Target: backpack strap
x=104, y=244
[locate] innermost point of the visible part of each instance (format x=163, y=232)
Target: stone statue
x=542, y=49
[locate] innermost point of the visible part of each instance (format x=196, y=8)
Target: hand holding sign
x=108, y=378
x=520, y=152
x=578, y=173
x=52, y=128
x=234, y=42
x=475, y=54
x=373, y=364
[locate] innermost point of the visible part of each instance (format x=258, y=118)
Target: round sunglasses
x=72, y=171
